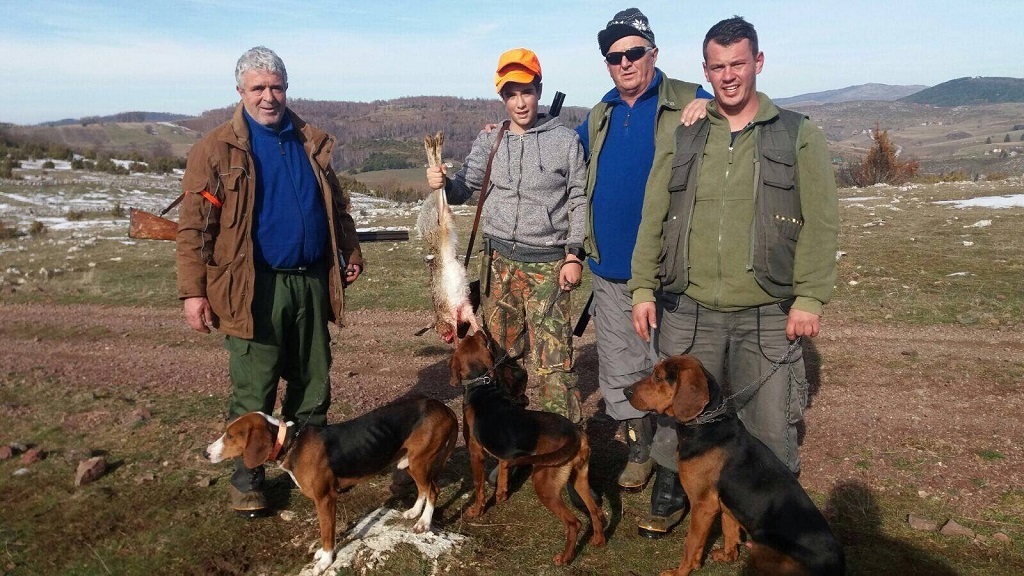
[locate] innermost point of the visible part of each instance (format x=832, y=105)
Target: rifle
x=143, y=225
x=556, y=105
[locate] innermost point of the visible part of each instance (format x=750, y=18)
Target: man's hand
x=645, y=318
x=570, y=273
x=436, y=177
x=694, y=111
x=800, y=323
x=352, y=272
x=198, y=313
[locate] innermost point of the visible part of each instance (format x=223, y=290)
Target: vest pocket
x=673, y=227
x=779, y=168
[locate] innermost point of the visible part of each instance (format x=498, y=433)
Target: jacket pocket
x=218, y=290
x=673, y=227
x=525, y=222
x=232, y=209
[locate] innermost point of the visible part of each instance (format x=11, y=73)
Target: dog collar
x=709, y=416
x=282, y=434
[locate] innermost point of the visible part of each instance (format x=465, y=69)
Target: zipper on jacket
x=757, y=187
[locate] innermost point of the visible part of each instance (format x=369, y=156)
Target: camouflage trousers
x=528, y=316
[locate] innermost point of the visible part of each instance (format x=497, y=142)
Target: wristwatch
x=578, y=252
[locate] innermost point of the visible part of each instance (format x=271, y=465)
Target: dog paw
x=598, y=540
x=724, y=555
x=421, y=526
x=500, y=496
x=563, y=559
x=474, y=511
x=323, y=559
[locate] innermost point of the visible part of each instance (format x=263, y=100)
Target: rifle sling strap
x=483, y=191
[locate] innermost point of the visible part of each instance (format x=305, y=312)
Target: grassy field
x=97, y=362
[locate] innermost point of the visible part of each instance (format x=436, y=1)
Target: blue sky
x=66, y=59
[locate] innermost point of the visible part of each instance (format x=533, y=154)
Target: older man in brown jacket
x=265, y=248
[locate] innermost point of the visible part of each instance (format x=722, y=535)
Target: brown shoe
x=635, y=475
x=639, y=434
x=252, y=504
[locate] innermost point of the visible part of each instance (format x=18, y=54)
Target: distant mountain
x=120, y=117
x=885, y=92
x=970, y=91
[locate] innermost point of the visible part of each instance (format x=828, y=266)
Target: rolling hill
x=970, y=91
x=886, y=92
x=978, y=138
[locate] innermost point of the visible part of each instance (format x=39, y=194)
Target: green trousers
x=290, y=341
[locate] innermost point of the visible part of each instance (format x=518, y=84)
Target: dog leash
x=720, y=411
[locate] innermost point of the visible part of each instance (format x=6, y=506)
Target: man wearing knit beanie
x=629, y=137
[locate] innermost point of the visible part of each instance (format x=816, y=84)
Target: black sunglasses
x=633, y=54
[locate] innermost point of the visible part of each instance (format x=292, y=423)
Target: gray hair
x=260, y=58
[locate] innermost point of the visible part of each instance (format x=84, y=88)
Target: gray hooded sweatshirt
x=536, y=205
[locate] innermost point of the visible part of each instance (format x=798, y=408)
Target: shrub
x=49, y=165
x=37, y=228
x=997, y=176
x=117, y=210
x=882, y=165
x=75, y=215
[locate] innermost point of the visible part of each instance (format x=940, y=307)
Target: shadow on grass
x=856, y=520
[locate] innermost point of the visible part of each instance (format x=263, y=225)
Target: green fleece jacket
x=718, y=241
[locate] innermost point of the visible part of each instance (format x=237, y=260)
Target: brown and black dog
x=493, y=423
x=418, y=433
x=725, y=470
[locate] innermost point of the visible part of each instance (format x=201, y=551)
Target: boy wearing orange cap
x=533, y=222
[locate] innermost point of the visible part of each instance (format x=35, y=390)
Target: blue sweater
x=290, y=221
x=625, y=164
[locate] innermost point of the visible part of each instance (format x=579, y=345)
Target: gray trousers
x=737, y=348
x=622, y=357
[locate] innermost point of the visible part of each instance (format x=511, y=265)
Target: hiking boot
x=668, y=505
x=246, y=491
x=639, y=464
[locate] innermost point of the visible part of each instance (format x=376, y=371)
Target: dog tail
x=562, y=455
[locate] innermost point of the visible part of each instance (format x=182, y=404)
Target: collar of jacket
x=317, y=143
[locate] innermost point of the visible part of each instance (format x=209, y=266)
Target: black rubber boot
x=668, y=504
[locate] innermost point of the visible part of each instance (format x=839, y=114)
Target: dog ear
x=258, y=445
x=691, y=391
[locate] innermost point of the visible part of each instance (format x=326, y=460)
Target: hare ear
x=257, y=446
x=691, y=391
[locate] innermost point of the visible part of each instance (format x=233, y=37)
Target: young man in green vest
x=740, y=246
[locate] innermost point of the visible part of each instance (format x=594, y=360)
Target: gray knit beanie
x=629, y=22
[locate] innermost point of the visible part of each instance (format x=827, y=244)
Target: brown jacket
x=215, y=253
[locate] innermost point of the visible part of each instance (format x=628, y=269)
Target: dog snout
x=214, y=451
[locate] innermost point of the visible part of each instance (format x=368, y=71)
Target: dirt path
x=933, y=411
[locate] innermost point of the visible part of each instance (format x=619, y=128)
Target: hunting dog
x=418, y=433
x=725, y=470
x=493, y=423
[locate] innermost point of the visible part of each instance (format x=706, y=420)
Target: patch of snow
x=1006, y=201
x=377, y=535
